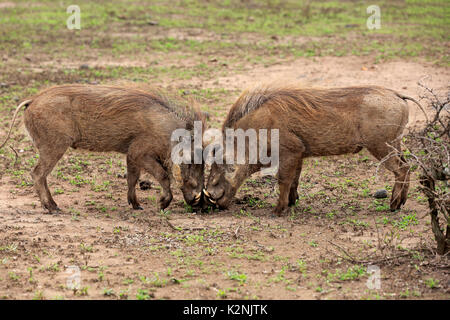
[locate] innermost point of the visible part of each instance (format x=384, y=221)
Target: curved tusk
x=197, y=197
x=207, y=194
x=208, y=197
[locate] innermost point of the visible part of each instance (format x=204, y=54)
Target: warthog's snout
x=196, y=200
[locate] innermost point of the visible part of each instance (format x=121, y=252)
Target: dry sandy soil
x=319, y=250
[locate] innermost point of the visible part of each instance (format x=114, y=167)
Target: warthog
x=138, y=123
x=311, y=123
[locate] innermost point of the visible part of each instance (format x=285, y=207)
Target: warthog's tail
x=24, y=103
x=401, y=96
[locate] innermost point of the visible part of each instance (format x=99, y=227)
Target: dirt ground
x=182, y=255
x=323, y=248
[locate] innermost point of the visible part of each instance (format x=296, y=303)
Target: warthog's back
x=101, y=118
x=327, y=121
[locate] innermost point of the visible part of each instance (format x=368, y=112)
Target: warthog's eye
x=193, y=183
x=230, y=168
x=215, y=180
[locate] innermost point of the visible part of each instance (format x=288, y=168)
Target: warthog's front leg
x=162, y=176
x=290, y=166
x=285, y=180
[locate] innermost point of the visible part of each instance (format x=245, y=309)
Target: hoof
x=55, y=210
x=163, y=206
x=135, y=205
x=395, y=206
x=164, y=202
x=293, y=197
x=277, y=212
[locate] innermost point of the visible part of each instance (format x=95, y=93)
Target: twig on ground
x=374, y=261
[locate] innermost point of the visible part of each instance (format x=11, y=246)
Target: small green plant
x=432, y=283
x=13, y=276
x=83, y=291
x=39, y=295
x=108, y=292
x=222, y=294
x=352, y=273
x=302, y=266
x=53, y=267
x=281, y=276
x=123, y=294
x=155, y=281
x=240, y=277
x=30, y=279
x=358, y=223
x=85, y=248
x=59, y=191
x=380, y=205
x=193, y=239
x=313, y=243
x=405, y=221
x=143, y=294
x=188, y=208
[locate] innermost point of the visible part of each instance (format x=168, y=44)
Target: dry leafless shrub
x=427, y=152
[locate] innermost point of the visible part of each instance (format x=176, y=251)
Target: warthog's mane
x=115, y=99
x=287, y=97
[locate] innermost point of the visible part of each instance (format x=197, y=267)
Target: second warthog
x=311, y=123
x=138, y=123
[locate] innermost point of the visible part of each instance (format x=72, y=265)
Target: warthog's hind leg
x=396, y=164
x=133, y=173
x=48, y=157
x=293, y=193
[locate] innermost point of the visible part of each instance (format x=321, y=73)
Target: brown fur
x=317, y=122
x=110, y=118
